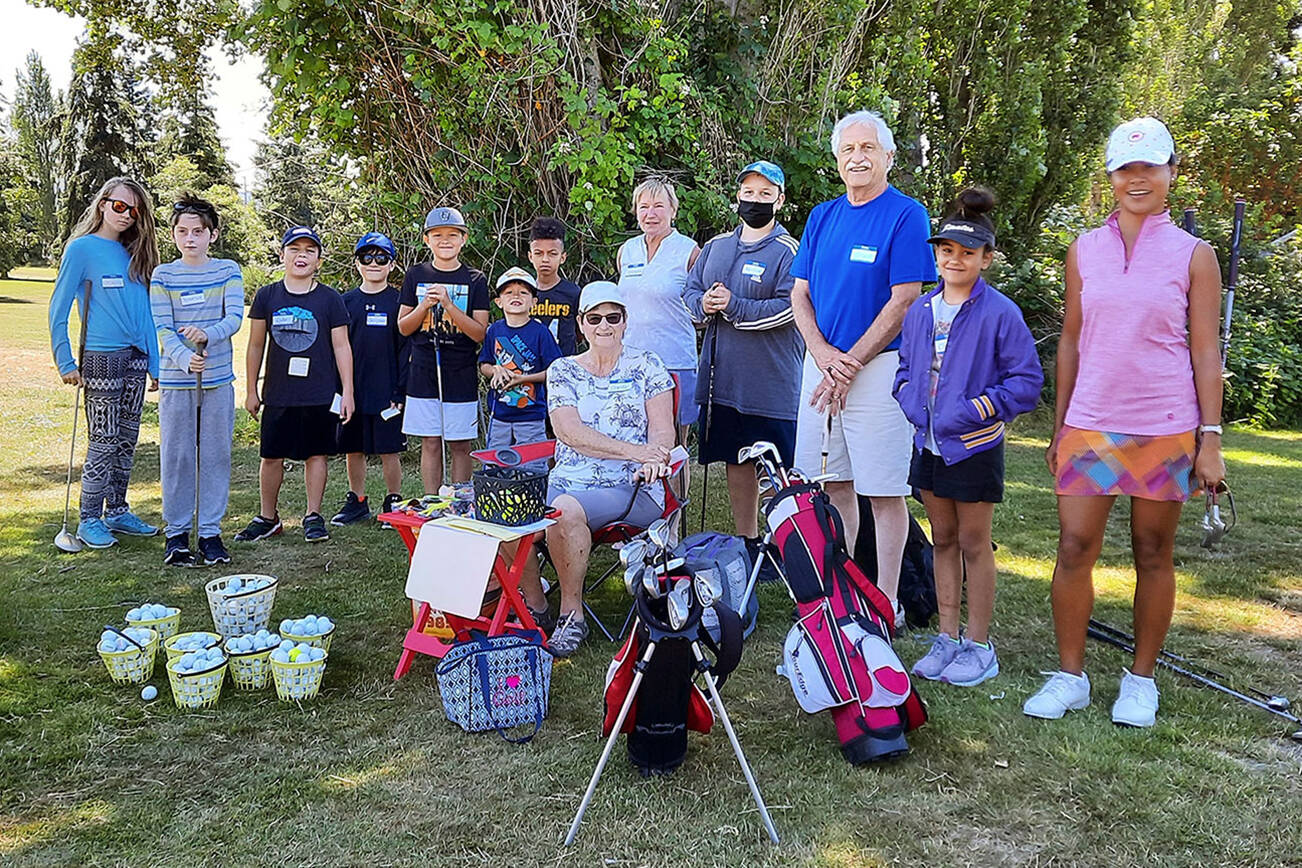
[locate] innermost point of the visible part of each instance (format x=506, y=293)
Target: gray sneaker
x=943, y=650
x=569, y=634
x=971, y=665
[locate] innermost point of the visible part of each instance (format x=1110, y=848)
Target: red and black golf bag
x=838, y=654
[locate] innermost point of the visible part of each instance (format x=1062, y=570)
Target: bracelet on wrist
x=1211, y=429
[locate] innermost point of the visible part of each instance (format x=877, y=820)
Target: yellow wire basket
x=174, y=653
x=322, y=641
x=252, y=670
x=243, y=612
x=132, y=666
x=298, y=680
x=198, y=689
x=166, y=626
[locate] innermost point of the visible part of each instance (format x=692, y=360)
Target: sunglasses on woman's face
x=380, y=259
x=120, y=207
x=614, y=318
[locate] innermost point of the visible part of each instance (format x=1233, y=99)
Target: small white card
x=191, y=298
x=377, y=318
x=388, y=413
x=863, y=253
x=298, y=365
x=282, y=319
x=337, y=405
x=113, y=281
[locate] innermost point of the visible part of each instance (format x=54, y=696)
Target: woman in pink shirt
x=1138, y=411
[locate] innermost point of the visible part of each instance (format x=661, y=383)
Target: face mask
x=756, y=214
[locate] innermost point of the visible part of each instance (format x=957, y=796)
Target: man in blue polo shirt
x=863, y=260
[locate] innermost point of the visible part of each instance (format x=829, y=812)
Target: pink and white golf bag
x=838, y=655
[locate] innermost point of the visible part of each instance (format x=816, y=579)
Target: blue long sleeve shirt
x=210, y=296
x=119, y=317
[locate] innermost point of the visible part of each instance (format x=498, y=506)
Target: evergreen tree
x=189, y=129
x=36, y=119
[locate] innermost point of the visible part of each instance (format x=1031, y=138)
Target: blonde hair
x=139, y=238
x=656, y=186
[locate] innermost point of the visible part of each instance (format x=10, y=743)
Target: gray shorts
x=604, y=505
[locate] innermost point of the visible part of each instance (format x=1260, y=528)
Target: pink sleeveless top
x=1135, y=374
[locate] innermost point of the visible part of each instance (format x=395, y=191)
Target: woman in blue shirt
x=106, y=266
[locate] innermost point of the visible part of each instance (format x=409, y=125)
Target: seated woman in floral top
x=612, y=411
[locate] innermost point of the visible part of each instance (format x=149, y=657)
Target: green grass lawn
x=372, y=773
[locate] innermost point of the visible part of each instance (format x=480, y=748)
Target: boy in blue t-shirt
x=515, y=356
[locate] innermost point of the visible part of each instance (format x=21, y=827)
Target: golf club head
x=1279, y=703
x=651, y=583
x=633, y=552
x=704, y=590
x=680, y=603
x=668, y=567
x=65, y=541
x=631, y=576
x=1213, y=526
x=658, y=533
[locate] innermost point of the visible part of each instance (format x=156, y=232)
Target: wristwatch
x=1210, y=429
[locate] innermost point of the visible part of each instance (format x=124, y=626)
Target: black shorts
x=369, y=434
x=731, y=431
x=299, y=433
x=978, y=479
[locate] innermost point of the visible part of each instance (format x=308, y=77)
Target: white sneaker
x=1136, y=705
x=899, y=615
x=1063, y=692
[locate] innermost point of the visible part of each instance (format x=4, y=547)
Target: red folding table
x=509, y=603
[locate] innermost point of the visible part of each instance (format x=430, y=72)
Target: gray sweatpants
x=176, y=411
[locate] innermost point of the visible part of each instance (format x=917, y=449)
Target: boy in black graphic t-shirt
x=557, y=305
x=444, y=309
x=379, y=379
x=308, y=354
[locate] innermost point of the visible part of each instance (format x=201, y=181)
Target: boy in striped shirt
x=198, y=303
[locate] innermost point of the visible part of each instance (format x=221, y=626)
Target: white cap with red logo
x=1142, y=140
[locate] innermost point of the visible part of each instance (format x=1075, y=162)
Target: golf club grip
x=1236, y=239
x=1190, y=223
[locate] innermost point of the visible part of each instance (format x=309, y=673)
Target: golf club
x=713, y=328
x=1129, y=648
x=438, y=376
x=632, y=573
x=1190, y=224
x=1214, y=527
x=651, y=582
x=1236, y=237
x=680, y=603
x=827, y=440
x=64, y=540
x=1275, y=701
x=200, y=350
x=704, y=592
x=633, y=552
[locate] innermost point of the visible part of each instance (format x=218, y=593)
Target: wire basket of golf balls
x=312, y=630
x=241, y=604
x=249, y=657
x=297, y=670
x=184, y=643
x=129, y=655
x=196, y=677
x=164, y=620
x=511, y=496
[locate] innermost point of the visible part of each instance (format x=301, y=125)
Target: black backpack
x=917, y=574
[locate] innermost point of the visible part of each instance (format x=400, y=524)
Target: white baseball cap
x=1142, y=140
x=600, y=292
x=517, y=275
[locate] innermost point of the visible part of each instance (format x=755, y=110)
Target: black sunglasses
x=179, y=208
x=614, y=318
x=369, y=258
x=120, y=207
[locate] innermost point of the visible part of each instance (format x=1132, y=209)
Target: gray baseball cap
x=437, y=218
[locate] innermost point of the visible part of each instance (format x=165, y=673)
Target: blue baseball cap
x=379, y=241
x=294, y=233
x=766, y=170
x=437, y=218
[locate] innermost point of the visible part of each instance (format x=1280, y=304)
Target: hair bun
x=974, y=202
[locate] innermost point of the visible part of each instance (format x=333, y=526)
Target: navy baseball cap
x=379, y=241
x=970, y=235
x=437, y=218
x=294, y=233
x=766, y=170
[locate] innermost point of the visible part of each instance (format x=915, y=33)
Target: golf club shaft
x=708, y=677
x=201, y=349
x=438, y=375
x=76, y=403
x=709, y=413
x=1190, y=223
x=827, y=438
x=1109, y=639
x=1171, y=655
x=639, y=671
x=1236, y=238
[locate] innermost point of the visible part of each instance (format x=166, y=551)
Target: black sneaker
x=176, y=551
x=211, y=551
x=260, y=528
x=314, y=528
x=756, y=549
x=355, y=509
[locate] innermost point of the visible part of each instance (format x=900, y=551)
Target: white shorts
x=871, y=442
x=426, y=417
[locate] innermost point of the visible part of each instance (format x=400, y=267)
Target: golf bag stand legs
x=717, y=701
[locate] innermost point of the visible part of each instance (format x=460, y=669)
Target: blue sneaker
x=130, y=524
x=94, y=533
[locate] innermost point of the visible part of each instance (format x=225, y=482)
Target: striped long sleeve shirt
x=210, y=296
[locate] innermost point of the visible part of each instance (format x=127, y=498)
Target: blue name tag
x=753, y=270
x=377, y=318
x=191, y=297
x=112, y=281
x=863, y=253
x=621, y=385
x=635, y=269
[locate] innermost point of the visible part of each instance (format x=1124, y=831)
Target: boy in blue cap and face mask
x=380, y=357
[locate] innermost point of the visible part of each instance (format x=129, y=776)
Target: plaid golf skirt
x=1098, y=463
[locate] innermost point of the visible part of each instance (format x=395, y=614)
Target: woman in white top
x=652, y=273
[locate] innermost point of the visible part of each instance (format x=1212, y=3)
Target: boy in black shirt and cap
x=379, y=379
x=557, y=305
x=308, y=355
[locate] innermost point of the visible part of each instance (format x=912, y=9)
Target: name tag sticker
x=337, y=405
x=191, y=298
x=753, y=269
x=298, y=366
x=863, y=253
x=389, y=412
x=377, y=318
x=112, y=281
x=282, y=319
x=623, y=385
x=635, y=269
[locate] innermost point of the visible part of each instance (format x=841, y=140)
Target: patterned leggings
x=115, y=390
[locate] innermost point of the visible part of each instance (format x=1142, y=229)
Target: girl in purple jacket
x=968, y=366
